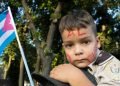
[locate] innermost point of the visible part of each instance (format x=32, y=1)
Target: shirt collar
x=103, y=56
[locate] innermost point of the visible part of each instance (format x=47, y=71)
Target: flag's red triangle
x=8, y=24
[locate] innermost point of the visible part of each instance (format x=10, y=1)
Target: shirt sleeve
x=109, y=73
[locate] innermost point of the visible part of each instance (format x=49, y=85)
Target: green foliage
x=54, y=62
x=58, y=59
x=54, y=16
x=10, y=51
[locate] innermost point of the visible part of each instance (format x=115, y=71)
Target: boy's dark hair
x=77, y=19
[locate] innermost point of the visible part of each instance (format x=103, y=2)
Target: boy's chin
x=82, y=65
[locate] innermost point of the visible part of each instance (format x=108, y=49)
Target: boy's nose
x=78, y=50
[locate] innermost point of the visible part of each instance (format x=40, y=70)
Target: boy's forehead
x=78, y=32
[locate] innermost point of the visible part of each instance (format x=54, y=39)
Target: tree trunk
x=21, y=74
x=40, y=54
x=50, y=36
x=46, y=60
x=7, y=67
x=33, y=30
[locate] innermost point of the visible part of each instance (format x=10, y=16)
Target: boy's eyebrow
x=85, y=38
x=67, y=42
x=81, y=39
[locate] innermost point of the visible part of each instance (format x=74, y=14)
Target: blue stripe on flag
x=1, y=32
x=6, y=42
x=3, y=15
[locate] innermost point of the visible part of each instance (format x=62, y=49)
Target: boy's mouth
x=81, y=61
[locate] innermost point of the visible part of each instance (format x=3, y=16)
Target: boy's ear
x=98, y=42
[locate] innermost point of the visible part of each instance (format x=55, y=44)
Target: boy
x=81, y=46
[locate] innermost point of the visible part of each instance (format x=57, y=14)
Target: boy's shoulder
x=105, y=58
x=108, y=68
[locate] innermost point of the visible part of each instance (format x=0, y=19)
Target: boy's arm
x=70, y=74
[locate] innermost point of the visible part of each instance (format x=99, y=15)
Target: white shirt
x=106, y=70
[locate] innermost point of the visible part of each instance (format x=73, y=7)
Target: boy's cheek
x=69, y=58
x=92, y=55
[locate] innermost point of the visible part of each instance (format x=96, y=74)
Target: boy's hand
x=68, y=73
x=62, y=72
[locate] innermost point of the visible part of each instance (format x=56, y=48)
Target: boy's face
x=80, y=46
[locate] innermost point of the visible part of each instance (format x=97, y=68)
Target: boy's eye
x=85, y=42
x=68, y=45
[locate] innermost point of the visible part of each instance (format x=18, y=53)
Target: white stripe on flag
x=2, y=24
x=5, y=36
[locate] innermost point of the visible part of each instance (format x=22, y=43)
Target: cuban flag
x=7, y=33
